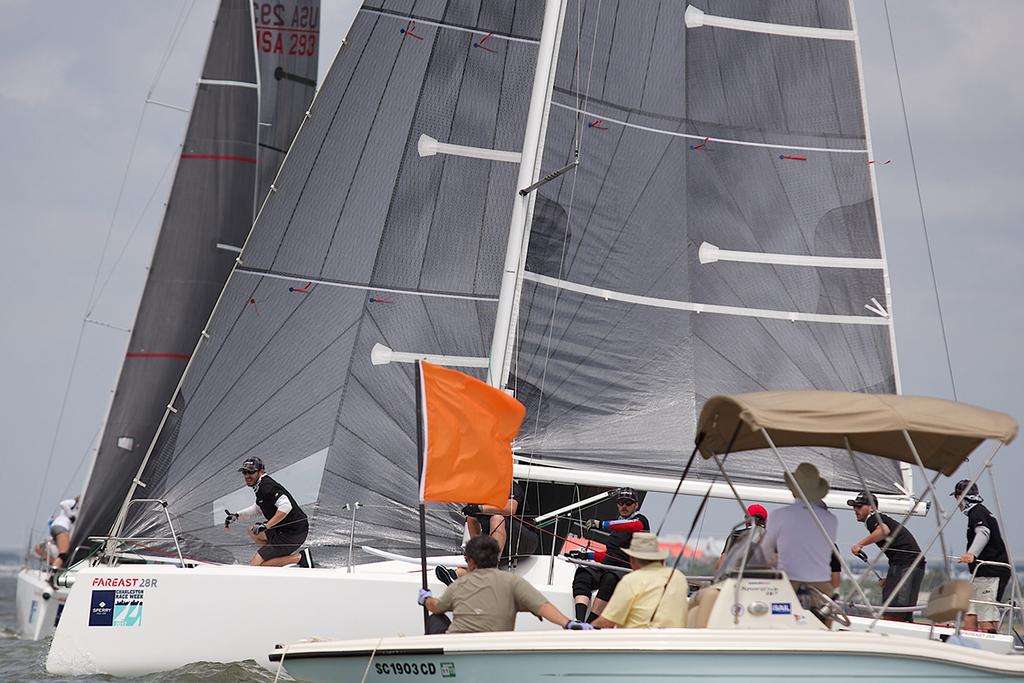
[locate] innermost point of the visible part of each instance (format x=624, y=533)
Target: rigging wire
x=93, y=298
x=920, y=201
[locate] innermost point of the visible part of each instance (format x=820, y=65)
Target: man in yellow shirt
x=652, y=595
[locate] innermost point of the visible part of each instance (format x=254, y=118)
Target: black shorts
x=282, y=543
x=589, y=579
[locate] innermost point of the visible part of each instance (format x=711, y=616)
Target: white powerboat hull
x=37, y=604
x=634, y=655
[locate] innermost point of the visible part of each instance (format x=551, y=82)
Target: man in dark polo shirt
x=285, y=526
x=984, y=544
x=900, y=552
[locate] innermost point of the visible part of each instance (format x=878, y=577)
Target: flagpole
x=419, y=469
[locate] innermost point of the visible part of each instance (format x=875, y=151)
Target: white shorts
x=985, y=588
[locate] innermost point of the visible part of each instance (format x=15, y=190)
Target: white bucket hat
x=644, y=546
x=810, y=482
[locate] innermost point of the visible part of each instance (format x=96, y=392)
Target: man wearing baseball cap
x=754, y=523
x=650, y=596
x=285, y=527
x=985, y=544
x=617, y=535
x=900, y=549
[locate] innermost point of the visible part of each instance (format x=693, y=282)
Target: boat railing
x=1008, y=607
x=111, y=543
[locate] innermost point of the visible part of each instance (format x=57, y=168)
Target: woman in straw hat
x=652, y=595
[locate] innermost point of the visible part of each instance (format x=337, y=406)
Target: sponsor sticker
x=121, y=608
x=782, y=608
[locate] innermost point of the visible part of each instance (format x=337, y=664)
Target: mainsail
x=387, y=234
x=209, y=212
x=689, y=139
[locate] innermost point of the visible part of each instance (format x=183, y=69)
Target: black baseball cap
x=863, y=498
x=626, y=493
x=251, y=465
x=963, y=484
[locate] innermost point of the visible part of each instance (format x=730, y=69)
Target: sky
x=81, y=222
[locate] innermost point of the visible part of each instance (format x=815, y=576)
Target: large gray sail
x=363, y=242
x=211, y=203
x=746, y=141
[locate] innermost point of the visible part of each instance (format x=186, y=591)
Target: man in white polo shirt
x=803, y=551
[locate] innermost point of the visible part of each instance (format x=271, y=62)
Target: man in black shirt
x=984, y=544
x=900, y=549
x=616, y=534
x=286, y=525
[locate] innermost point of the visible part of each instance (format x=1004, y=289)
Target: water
x=23, y=660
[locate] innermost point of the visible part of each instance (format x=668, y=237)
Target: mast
x=905, y=469
x=522, y=207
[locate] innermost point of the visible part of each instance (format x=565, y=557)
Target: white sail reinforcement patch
x=416, y=21
x=695, y=18
x=792, y=316
x=234, y=84
x=703, y=138
x=427, y=146
x=709, y=253
x=382, y=355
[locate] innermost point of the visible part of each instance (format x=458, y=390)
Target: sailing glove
x=258, y=528
x=575, y=625
x=471, y=509
x=231, y=517
x=424, y=594
x=592, y=524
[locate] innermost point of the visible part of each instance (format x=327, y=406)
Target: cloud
x=35, y=78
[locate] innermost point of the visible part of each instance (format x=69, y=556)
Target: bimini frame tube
x=931, y=542
x=1015, y=592
x=939, y=512
x=821, y=527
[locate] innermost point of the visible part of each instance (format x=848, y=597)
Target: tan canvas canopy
x=944, y=432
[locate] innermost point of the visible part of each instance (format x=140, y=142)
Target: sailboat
x=249, y=102
x=607, y=209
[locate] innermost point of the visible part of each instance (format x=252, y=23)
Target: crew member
x=496, y=522
x=900, y=549
x=652, y=595
x=285, y=526
x=754, y=524
x=617, y=537
x=61, y=524
x=486, y=599
x=804, y=553
x=984, y=544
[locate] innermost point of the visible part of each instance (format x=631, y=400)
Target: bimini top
x=944, y=432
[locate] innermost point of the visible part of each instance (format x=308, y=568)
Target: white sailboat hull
x=628, y=656
x=37, y=605
x=236, y=613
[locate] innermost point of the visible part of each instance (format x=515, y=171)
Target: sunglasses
x=249, y=471
x=625, y=501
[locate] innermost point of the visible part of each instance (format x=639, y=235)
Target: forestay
x=746, y=141
x=363, y=242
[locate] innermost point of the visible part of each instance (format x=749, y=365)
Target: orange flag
x=467, y=427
